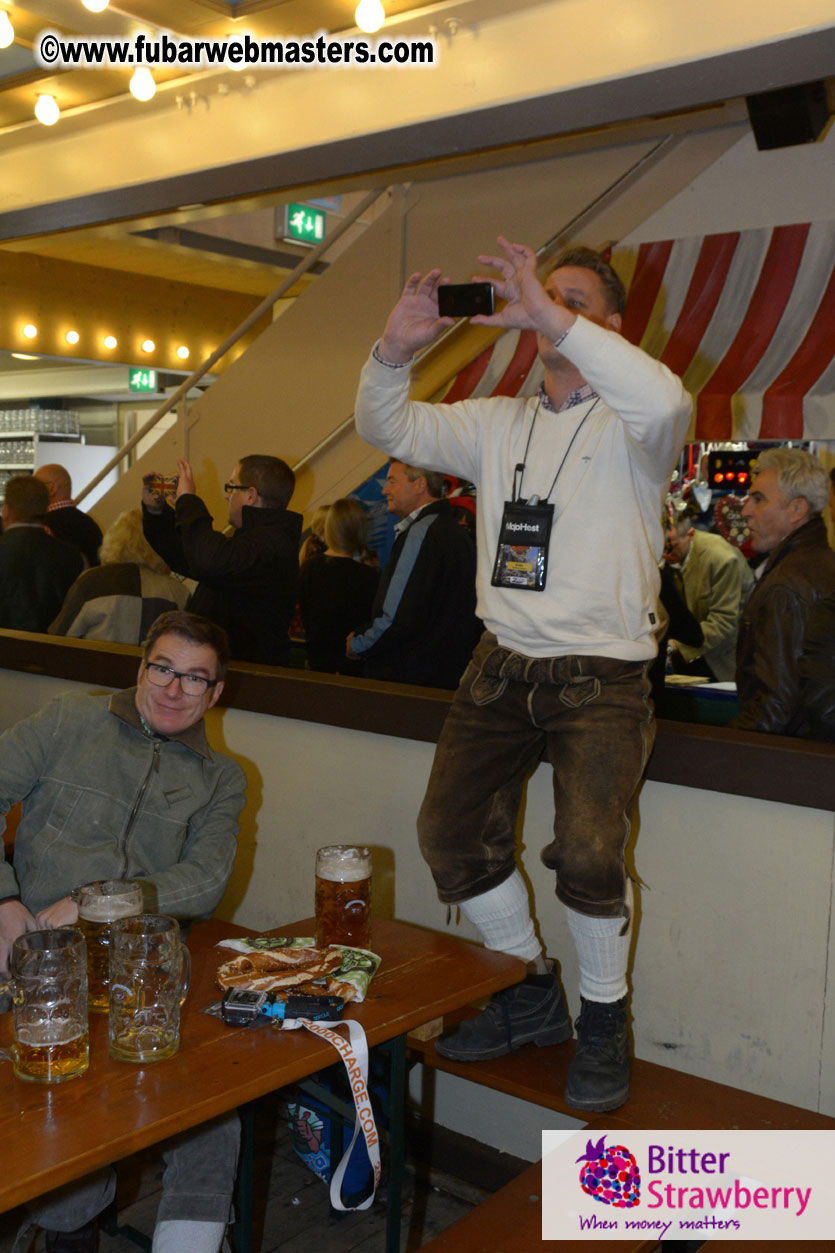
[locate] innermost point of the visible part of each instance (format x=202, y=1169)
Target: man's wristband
x=391, y=365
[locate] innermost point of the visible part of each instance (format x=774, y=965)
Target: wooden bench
x=807, y=1246
x=659, y=1097
x=510, y=1221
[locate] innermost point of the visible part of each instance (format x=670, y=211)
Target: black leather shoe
x=83, y=1240
x=531, y=1012
x=598, y=1077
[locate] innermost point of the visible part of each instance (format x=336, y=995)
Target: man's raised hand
x=529, y=307
x=185, y=480
x=414, y=321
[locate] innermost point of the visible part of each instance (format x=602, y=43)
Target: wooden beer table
x=53, y=1134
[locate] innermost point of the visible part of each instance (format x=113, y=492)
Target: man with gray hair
x=788, y=495
x=423, y=626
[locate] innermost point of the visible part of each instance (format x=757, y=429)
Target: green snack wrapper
x=356, y=970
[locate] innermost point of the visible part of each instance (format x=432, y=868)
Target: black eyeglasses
x=192, y=684
x=235, y=487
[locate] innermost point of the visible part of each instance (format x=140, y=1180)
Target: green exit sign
x=303, y=225
x=143, y=380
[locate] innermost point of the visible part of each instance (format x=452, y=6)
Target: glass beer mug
x=149, y=977
x=99, y=906
x=343, y=896
x=49, y=994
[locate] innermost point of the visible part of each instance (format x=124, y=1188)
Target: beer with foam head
x=100, y=905
x=343, y=896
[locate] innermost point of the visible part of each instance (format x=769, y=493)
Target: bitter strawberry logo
x=610, y=1175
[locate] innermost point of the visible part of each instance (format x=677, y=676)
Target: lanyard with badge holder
x=525, y=531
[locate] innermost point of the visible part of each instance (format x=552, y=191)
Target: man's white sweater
x=607, y=540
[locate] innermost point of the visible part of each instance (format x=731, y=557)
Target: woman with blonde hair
x=118, y=600
x=337, y=589
x=315, y=542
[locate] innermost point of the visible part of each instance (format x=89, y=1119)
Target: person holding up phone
x=570, y=486
x=247, y=582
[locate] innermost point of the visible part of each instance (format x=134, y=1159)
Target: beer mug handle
x=185, y=973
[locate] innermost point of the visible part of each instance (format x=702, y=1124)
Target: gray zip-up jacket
x=101, y=799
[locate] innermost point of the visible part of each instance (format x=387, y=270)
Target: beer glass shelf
x=26, y=432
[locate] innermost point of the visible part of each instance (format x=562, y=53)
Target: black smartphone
x=462, y=300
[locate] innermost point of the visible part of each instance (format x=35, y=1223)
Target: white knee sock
x=174, y=1236
x=602, y=952
x=503, y=918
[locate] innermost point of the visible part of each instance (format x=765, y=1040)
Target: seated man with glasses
x=248, y=581
x=127, y=787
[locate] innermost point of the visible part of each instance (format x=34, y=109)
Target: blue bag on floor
x=312, y=1125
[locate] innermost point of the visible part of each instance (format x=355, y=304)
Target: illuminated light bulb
x=142, y=85
x=30, y=331
x=369, y=16
x=95, y=6
x=110, y=341
x=72, y=337
x=183, y=352
x=148, y=345
x=46, y=110
x=6, y=30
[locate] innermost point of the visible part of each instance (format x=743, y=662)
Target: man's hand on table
x=63, y=913
x=15, y=920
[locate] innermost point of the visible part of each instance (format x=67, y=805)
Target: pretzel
x=278, y=968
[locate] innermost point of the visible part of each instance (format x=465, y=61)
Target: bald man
x=64, y=519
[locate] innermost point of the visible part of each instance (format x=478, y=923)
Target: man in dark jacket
x=36, y=570
x=423, y=627
x=66, y=521
x=248, y=582
x=788, y=495
x=817, y=672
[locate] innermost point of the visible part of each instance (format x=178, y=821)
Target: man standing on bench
x=570, y=490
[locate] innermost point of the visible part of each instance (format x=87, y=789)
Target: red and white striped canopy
x=747, y=319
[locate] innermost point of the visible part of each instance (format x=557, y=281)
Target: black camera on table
x=241, y=1008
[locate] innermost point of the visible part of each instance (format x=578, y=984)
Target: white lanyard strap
x=354, y=1054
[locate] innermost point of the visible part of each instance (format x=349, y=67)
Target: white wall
x=746, y=188
x=730, y=970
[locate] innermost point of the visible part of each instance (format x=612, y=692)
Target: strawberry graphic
x=610, y=1175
